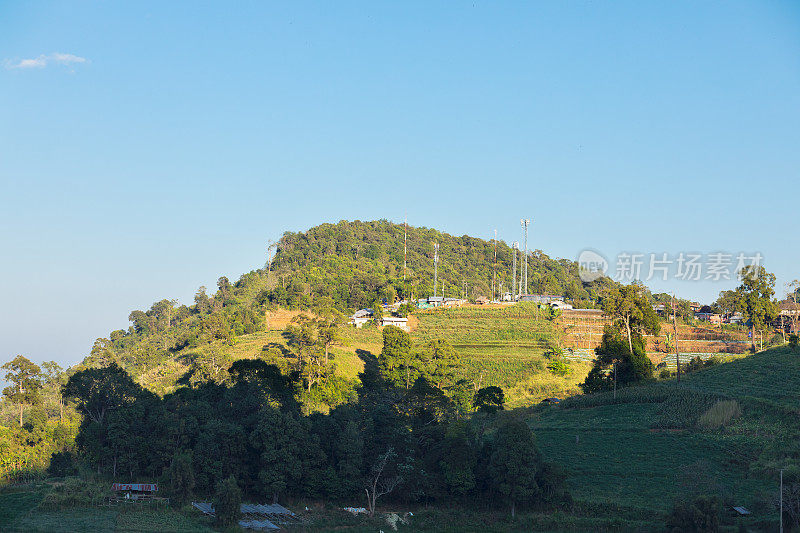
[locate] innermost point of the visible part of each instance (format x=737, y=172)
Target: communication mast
x=405, y=247
x=514, y=248
x=524, y=222
x=435, y=267
x=494, y=266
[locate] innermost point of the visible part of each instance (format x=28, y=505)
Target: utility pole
x=435, y=267
x=675, y=333
x=781, y=498
x=405, y=246
x=524, y=222
x=514, y=247
x=494, y=266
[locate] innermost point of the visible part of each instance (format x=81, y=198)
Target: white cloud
x=43, y=60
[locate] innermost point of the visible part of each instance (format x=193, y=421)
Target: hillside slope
x=346, y=266
x=650, y=446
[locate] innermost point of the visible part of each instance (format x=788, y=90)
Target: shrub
x=227, y=502
x=720, y=414
x=62, y=464
x=702, y=514
x=775, y=340
x=794, y=340
x=73, y=492
x=489, y=399
x=558, y=367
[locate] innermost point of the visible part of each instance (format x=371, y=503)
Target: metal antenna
x=514, y=248
x=435, y=267
x=494, y=266
x=524, y=222
x=405, y=247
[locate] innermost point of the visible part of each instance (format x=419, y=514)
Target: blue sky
x=147, y=148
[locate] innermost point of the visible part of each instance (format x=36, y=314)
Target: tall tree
x=99, y=391
x=793, y=297
x=515, y=463
x=25, y=377
x=181, y=477
x=755, y=298
x=227, y=502
x=630, y=309
x=442, y=363
x=328, y=332
x=397, y=359
x=53, y=377
x=727, y=303
x=615, y=363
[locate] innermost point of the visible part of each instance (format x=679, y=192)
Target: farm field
x=19, y=512
x=497, y=346
x=637, y=454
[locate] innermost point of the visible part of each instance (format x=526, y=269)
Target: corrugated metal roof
x=258, y=524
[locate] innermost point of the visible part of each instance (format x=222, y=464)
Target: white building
x=396, y=321
x=361, y=317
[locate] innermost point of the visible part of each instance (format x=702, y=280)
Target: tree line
x=411, y=434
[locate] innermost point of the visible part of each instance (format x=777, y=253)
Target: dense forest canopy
x=350, y=262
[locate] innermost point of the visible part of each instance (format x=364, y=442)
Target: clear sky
x=147, y=148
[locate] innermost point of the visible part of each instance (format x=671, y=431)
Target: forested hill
x=352, y=262
x=347, y=266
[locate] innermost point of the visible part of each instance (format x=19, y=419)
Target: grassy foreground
x=627, y=460
x=635, y=455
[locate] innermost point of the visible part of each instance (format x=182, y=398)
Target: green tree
x=102, y=353
x=727, y=303
x=442, y=363
x=614, y=351
x=181, y=477
x=489, y=399
x=630, y=310
x=700, y=515
x=210, y=365
x=25, y=377
x=276, y=438
x=396, y=361
x=99, y=391
x=301, y=336
x=377, y=311
x=328, y=332
x=227, y=502
x=755, y=298
x=459, y=461
x=515, y=463
x=349, y=448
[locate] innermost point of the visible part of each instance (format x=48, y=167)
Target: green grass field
x=620, y=456
x=19, y=512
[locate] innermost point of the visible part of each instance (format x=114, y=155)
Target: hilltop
x=346, y=266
